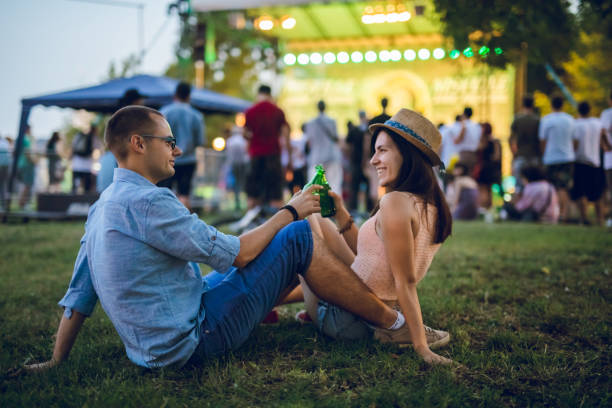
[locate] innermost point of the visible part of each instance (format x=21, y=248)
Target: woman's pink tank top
x=371, y=263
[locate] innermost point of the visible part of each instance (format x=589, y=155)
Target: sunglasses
x=171, y=140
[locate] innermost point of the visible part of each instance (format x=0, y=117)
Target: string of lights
x=371, y=56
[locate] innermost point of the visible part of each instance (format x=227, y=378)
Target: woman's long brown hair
x=416, y=176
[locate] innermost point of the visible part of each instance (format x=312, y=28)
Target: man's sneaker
x=303, y=317
x=401, y=337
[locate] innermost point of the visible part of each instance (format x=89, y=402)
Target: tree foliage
x=548, y=28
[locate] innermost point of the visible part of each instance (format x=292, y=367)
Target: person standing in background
x=25, y=169
x=298, y=160
x=264, y=127
x=447, y=147
x=467, y=140
x=488, y=168
x=606, y=124
x=5, y=163
x=589, y=178
x=187, y=126
x=322, y=139
x=524, y=142
x=556, y=141
x=355, y=139
x=83, y=146
x=54, y=169
x=237, y=161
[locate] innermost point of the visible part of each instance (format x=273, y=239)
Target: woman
x=411, y=218
x=488, y=168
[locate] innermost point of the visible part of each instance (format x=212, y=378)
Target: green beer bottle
x=328, y=209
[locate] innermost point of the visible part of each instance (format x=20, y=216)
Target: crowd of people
x=558, y=161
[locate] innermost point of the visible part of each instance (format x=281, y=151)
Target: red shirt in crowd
x=265, y=121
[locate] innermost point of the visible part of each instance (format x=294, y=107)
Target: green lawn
x=527, y=306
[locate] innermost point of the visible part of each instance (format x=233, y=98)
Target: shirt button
x=214, y=238
x=207, y=331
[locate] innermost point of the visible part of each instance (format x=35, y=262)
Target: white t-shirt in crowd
x=447, y=147
x=606, y=123
x=471, y=138
x=587, y=131
x=557, y=129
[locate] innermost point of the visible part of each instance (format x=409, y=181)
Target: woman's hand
x=342, y=214
x=432, y=358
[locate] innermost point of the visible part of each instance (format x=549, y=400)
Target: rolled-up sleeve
x=170, y=228
x=80, y=295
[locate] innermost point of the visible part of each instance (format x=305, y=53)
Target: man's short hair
x=584, y=108
x=124, y=123
x=321, y=105
x=557, y=102
x=528, y=101
x=183, y=91
x=458, y=118
x=467, y=112
x=264, y=89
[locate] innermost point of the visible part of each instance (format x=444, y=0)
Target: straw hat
x=416, y=129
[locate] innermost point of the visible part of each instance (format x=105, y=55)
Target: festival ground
x=510, y=295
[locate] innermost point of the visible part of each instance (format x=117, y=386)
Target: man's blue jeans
x=240, y=299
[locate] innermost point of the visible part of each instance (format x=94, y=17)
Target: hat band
x=406, y=129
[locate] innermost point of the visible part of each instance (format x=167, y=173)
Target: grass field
x=528, y=308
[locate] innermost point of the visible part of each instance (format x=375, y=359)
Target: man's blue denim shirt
x=138, y=258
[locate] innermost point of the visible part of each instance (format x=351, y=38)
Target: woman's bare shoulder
x=397, y=204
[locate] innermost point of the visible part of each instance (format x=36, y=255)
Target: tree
x=548, y=28
x=589, y=69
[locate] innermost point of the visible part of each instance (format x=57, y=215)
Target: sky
x=55, y=45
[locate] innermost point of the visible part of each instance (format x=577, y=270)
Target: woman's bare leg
x=327, y=229
x=333, y=281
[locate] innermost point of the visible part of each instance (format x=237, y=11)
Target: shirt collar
x=131, y=176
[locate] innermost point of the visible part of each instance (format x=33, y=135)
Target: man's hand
x=305, y=202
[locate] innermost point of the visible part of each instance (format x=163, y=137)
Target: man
x=355, y=139
x=524, y=142
x=467, y=140
x=187, y=125
x=140, y=251
x=264, y=127
x=322, y=139
x=606, y=123
x=589, y=178
x=556, y=141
